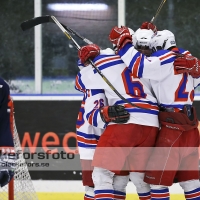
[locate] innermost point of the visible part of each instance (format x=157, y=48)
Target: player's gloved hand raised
x=120, y=37
x=188, y=64
x=149, y=25
x=7, y=166
x=116, y=114
x=87, y=52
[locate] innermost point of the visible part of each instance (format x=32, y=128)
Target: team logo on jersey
x=172, y=127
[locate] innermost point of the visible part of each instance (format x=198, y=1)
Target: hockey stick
x=33, y=22
x=45, y=19
x=93, y=65
x=158, y=10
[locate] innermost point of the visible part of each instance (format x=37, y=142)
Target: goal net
x=21, y=187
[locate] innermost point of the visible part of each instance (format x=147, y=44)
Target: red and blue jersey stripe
x=152, y=108
x=136, y=65
x=106, y=61
x=165, y=56
x=87, y=140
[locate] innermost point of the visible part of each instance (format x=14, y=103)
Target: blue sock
x=104, y=194
x=161, y=194
x=118, y=195
x=193, y=194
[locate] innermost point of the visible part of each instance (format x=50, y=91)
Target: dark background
x=59, y=57
x=48, y=116
x=52, y=116
x=179, y=16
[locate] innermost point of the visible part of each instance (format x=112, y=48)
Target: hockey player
x=164, y=39
x=89, y=127
x=116, y=144
x=7, y=153
x=87, y=138
x=175, y=94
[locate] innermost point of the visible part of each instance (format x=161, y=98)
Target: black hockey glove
x=7, y=167
x=116, y=114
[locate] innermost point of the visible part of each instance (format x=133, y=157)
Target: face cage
x=144, y=50
x=140, y=47
x=154, y=49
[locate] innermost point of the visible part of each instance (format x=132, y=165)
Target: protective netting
x=23, y=186
x=83, y=16
x=59, y=57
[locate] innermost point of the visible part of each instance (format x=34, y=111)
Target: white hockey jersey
x=171, y=89
x=90, y=126
x=138, y=91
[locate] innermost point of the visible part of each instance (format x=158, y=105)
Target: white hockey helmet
x=142, y=39
x=164, y=39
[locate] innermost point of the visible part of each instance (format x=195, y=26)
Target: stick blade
x=34, y=22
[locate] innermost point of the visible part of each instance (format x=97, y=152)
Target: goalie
x=7, y=153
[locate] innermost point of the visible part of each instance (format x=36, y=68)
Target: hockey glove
x=88, y=52
x=149, y=26
x=120, y=37
x=116, y=114
x=189, y=64
x=7, y=166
